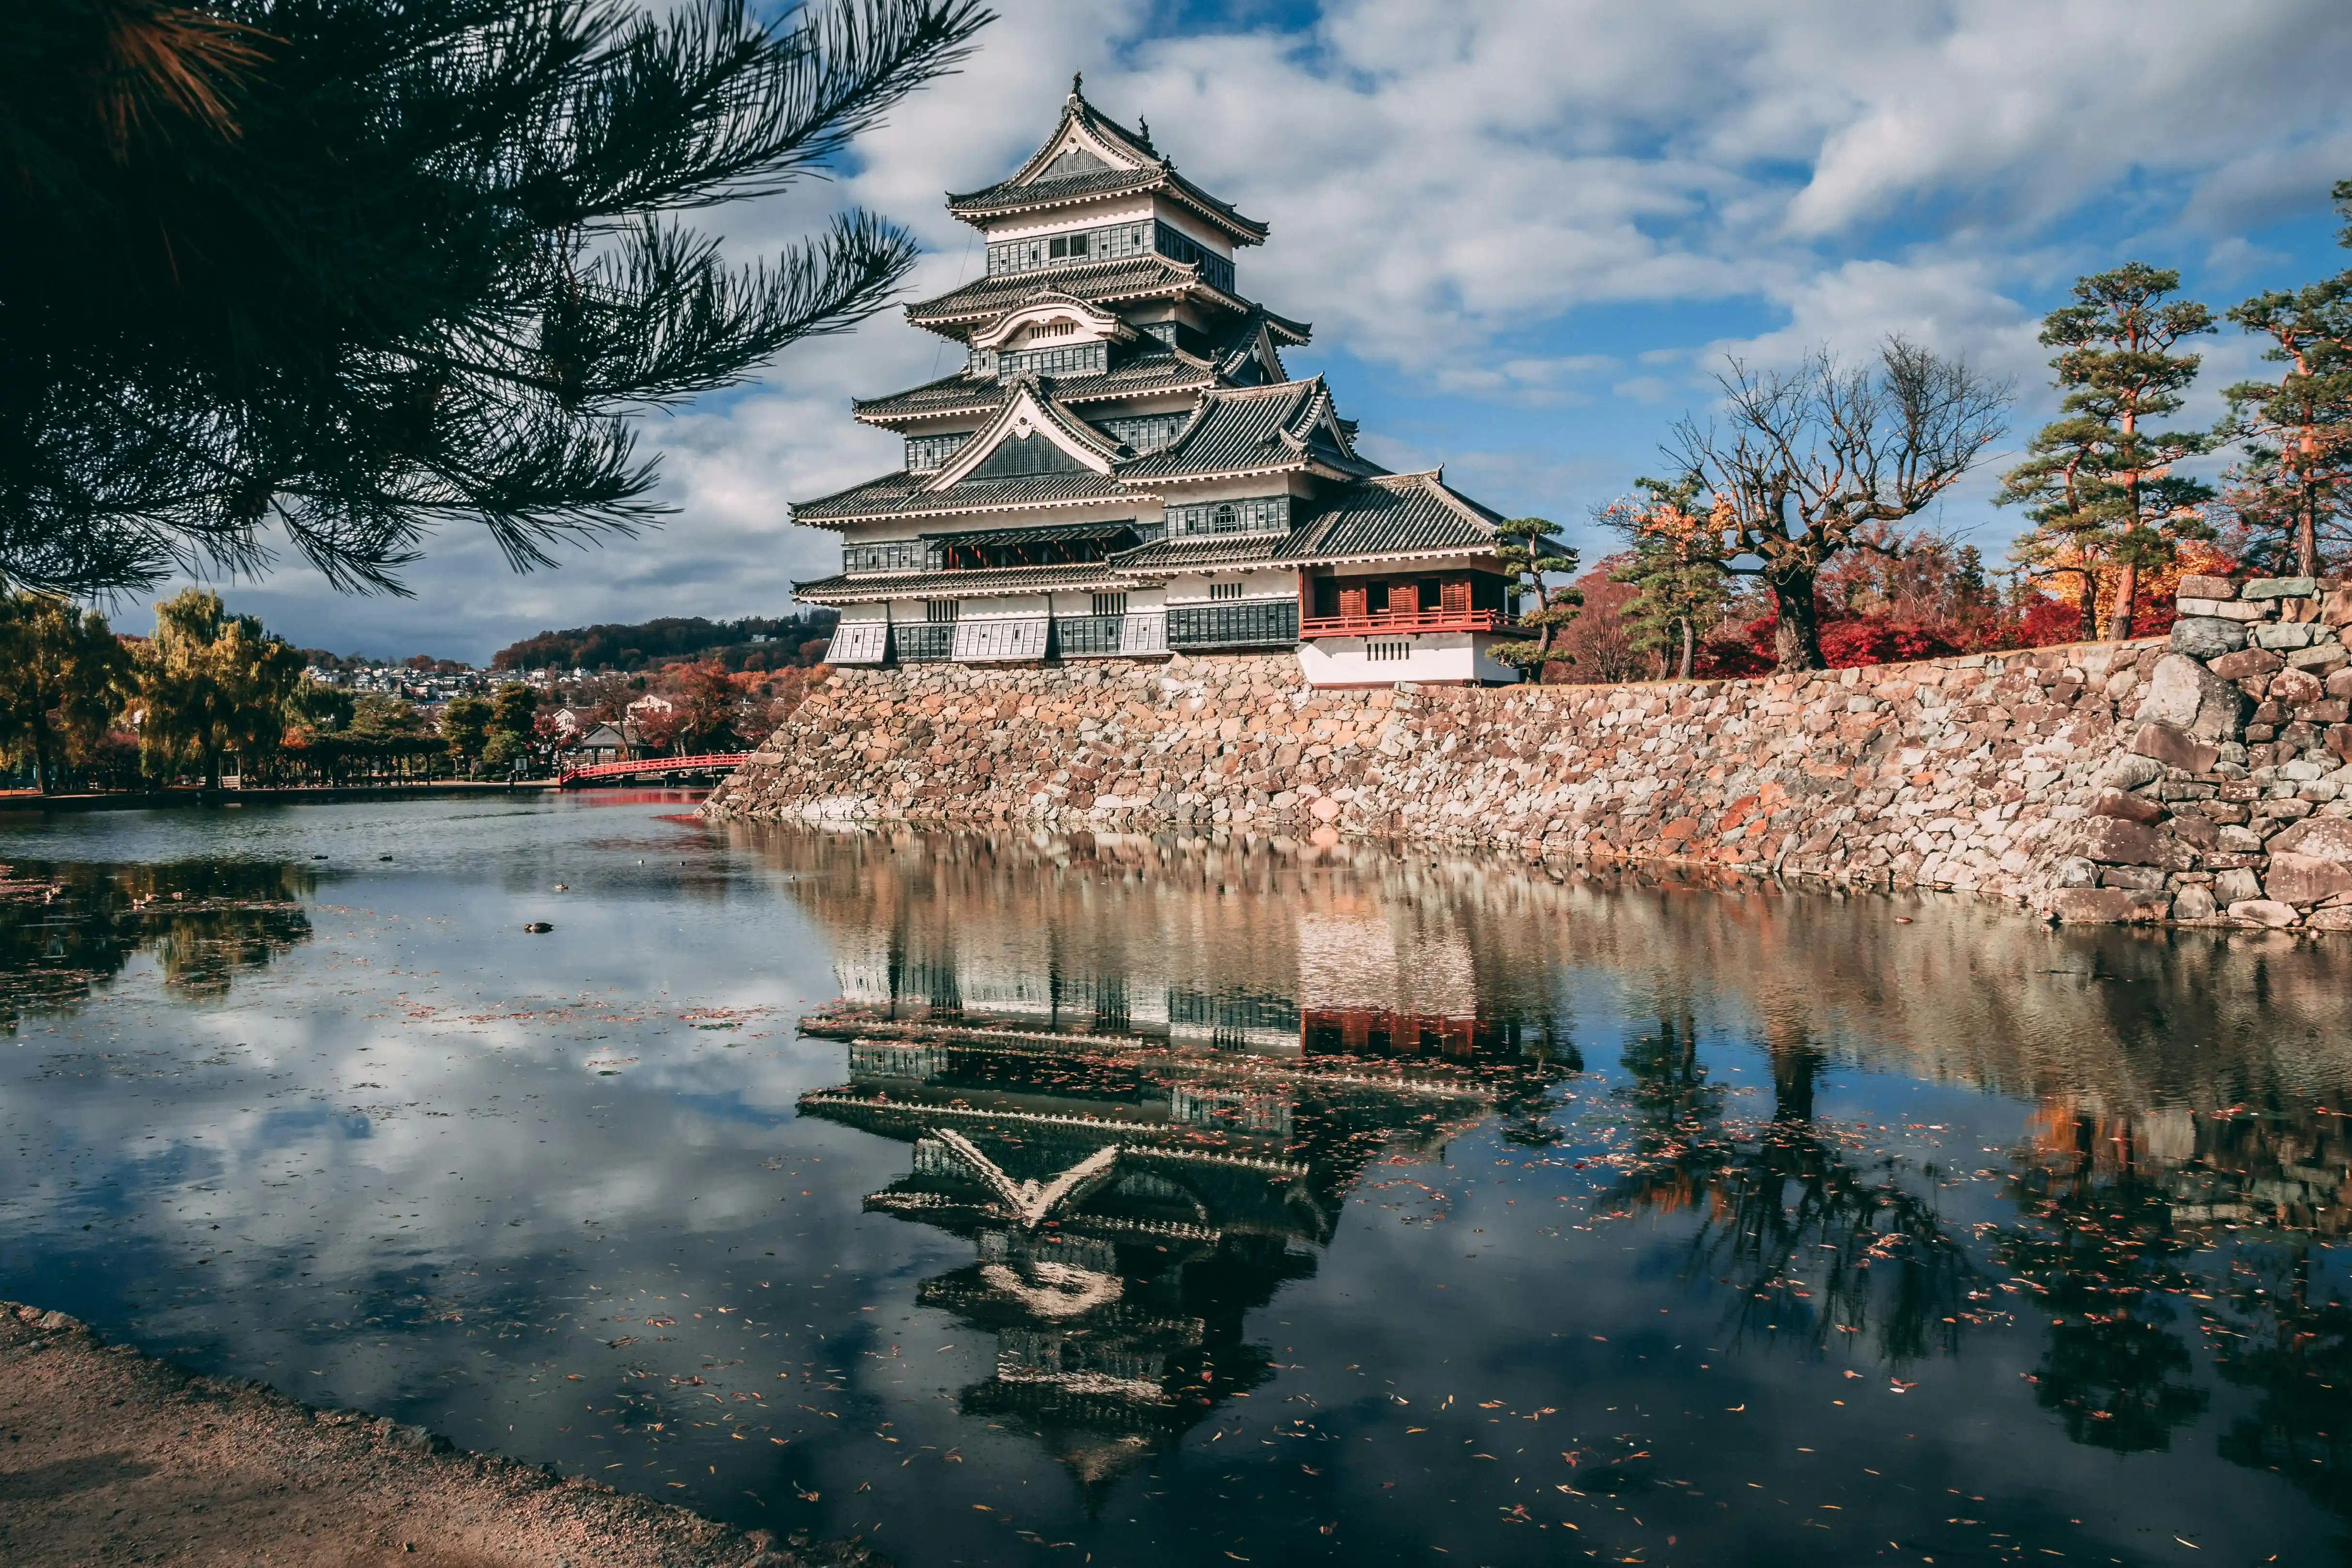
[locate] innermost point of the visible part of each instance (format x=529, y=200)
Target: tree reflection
x=1814, y=1240
x=2099, y=1254
x=64, y=930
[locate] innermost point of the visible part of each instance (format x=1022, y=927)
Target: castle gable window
x=1259, y=515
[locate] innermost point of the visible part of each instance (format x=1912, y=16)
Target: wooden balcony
x=1404, y=623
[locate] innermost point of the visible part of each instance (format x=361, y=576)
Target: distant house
x=605, y=742
x=652, y=705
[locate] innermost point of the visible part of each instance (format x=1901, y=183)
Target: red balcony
x=1403, y=622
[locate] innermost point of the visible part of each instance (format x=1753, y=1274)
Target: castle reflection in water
x=1140, y=1079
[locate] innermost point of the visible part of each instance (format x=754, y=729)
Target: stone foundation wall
x=2115, y=782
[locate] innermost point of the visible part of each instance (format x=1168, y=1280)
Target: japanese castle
x=1122, y=468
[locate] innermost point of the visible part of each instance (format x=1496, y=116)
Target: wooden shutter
x=1351, y=601
x=1404, y=599
x=1455, y=596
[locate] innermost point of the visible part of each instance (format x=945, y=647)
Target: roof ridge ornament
x=1078, y=83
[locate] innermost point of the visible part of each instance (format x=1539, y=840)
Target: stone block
x=2200, y=832
x=2280, y=588
x=2193, y=904
x=2113, y=842
x=2279, y=637
x=2234, y=884
x=2322, y=659
x=2247, y=664
x=2336, y=605
x=2195, y=586
x=2340, y=683
x=2127, y=807
x=2139, y=878
x=2305, y=880
x=2339, y=740
x=2186, y=695
x=2262, y=912
x=2323, y=838
x=2107, y=906
x=2174, y=748
x=2223, y=610
x=2294, y=687
x=2132, y=771
x=2207, y=636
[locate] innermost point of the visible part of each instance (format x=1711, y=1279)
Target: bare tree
x=1817, y=460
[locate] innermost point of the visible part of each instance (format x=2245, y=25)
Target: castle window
x=1224, y=591
x=1381, y=651
x=1110, y=243
x=940, y=611
x=893, y=555
x=1110, y=603
x=926, y=454
x=1147, y=431
x=1259, y=515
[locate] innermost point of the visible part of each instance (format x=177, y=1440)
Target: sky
x=1529, y=232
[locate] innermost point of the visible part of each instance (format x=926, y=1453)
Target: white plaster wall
x=1193, y=587
x=1458, y=656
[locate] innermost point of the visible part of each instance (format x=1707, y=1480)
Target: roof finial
x=1077, y=81
x=1143, y=129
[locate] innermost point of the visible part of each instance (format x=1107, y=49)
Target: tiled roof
x=1012, y=194
x=1201, y=554
x=1096, y=282
x=1393, y=514
x=866, y=587
x=1248, y=428
x=900, y=493
x=960, y=394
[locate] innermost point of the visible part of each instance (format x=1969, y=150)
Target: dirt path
x=110, y=1457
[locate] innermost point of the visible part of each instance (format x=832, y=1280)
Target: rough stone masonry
x=2201, y=780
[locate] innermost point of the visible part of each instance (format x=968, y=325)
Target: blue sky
x=1527, y=234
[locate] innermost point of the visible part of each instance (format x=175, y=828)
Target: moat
x=1015, y=1197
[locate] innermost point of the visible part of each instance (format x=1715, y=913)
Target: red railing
x=708, y=760
x=1393, y=622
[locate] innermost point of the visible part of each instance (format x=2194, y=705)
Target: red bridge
x=706, y=762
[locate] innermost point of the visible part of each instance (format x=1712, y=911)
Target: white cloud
x=1470, y=191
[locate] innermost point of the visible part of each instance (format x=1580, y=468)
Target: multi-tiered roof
x=1123, y=421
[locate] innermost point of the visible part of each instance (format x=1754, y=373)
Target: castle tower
x=1123, y=467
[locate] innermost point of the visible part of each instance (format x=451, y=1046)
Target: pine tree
x=2099, y=484
x=1678, y=582
x=2292, y=488
x=1529, y=552
x=63, y=679
x=341, y=272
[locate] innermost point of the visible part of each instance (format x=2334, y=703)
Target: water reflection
x=66, y=928
x=1024, y=1199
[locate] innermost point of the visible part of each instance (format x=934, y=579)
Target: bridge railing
x=708, y=761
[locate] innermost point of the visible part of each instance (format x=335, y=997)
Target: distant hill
x=657, y=641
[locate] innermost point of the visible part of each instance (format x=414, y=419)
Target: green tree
x=514, y=709
x=1529, y=551
x=466, y=726
x=2291, y=487
x=1820, y=459
x=1678, y=582
x=2098, y=481
x=63, y=679
x=340, y=272
x=324, y=708
x=212, y=685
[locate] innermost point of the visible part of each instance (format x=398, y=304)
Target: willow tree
x=63, y=679
x=2098, y=482
x=212, y=685
x=338, y=273
x=1815, y=461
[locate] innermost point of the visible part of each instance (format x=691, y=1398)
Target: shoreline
x=108, y=1453
x=292, y=795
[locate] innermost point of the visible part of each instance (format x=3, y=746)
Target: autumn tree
x=63, y=679
x=336, y=274
x=514, y=708
x=211, y=685
x=1529, y=551
x=2098, y=482
x=466, y=726
x=1820, y=459
x=2291, y=488
x=1674, y=571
